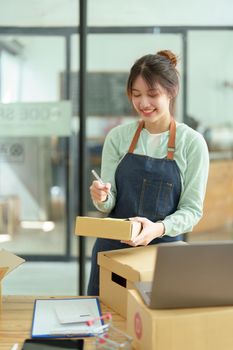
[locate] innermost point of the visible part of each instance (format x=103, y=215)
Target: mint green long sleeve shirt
x=191, y=156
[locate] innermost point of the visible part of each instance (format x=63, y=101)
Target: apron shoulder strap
x=136, y=136
x=172, y=139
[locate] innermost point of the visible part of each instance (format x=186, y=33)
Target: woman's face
x=152, y=104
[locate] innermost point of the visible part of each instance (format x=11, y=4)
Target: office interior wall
x=160, y=12
x=116, y=12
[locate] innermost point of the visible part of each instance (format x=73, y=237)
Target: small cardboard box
x=8, y=262
x=119, y=269
x=120, y=229
x=178, y=329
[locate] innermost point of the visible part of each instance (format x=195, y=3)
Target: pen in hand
x=14, y=347
x=100, y=180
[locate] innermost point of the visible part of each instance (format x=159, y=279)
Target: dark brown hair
x=159, y=68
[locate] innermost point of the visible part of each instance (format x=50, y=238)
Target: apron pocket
x=155, y=200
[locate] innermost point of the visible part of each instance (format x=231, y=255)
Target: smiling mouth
x=148, y=112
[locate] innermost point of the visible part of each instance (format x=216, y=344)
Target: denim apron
x=146, y=187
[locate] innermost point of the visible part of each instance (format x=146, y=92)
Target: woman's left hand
x=150, y=230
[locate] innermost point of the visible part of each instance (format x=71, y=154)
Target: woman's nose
x=144, y=102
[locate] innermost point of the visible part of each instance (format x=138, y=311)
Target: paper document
x=64, y=317
x=67, y=314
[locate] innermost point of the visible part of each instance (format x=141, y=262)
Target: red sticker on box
x=138, y=325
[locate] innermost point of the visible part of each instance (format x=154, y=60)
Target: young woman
x=156, y=168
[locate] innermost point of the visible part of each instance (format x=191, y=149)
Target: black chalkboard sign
x=106, y=94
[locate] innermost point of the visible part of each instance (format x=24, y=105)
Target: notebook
x=190, y=275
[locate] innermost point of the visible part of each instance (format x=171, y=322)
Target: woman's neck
x=157, y=127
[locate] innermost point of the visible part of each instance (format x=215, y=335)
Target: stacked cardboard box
x=119, y=269
x=178, y=329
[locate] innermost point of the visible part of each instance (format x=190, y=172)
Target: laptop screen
x=193, y=275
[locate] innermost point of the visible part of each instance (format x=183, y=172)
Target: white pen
x=100, y=180
x=14, y=347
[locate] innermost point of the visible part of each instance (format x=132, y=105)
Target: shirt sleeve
x=190, y=207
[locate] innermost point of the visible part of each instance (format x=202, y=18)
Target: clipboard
x=60, y=318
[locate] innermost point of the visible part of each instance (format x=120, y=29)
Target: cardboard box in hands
x=120, y=229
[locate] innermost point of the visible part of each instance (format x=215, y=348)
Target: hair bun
x=169, y=55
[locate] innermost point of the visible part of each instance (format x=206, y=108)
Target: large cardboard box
x=8, y=262
x=119, y=269
x=178, y=329
x=120, y=229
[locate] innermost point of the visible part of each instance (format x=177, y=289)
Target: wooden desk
x=16, y=320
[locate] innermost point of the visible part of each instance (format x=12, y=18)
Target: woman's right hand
x=99, y=192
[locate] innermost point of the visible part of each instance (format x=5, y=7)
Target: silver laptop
x=190, y=275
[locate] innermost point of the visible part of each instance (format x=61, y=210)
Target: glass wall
x=33, y=159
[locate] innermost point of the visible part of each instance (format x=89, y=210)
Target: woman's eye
x=136, y=95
